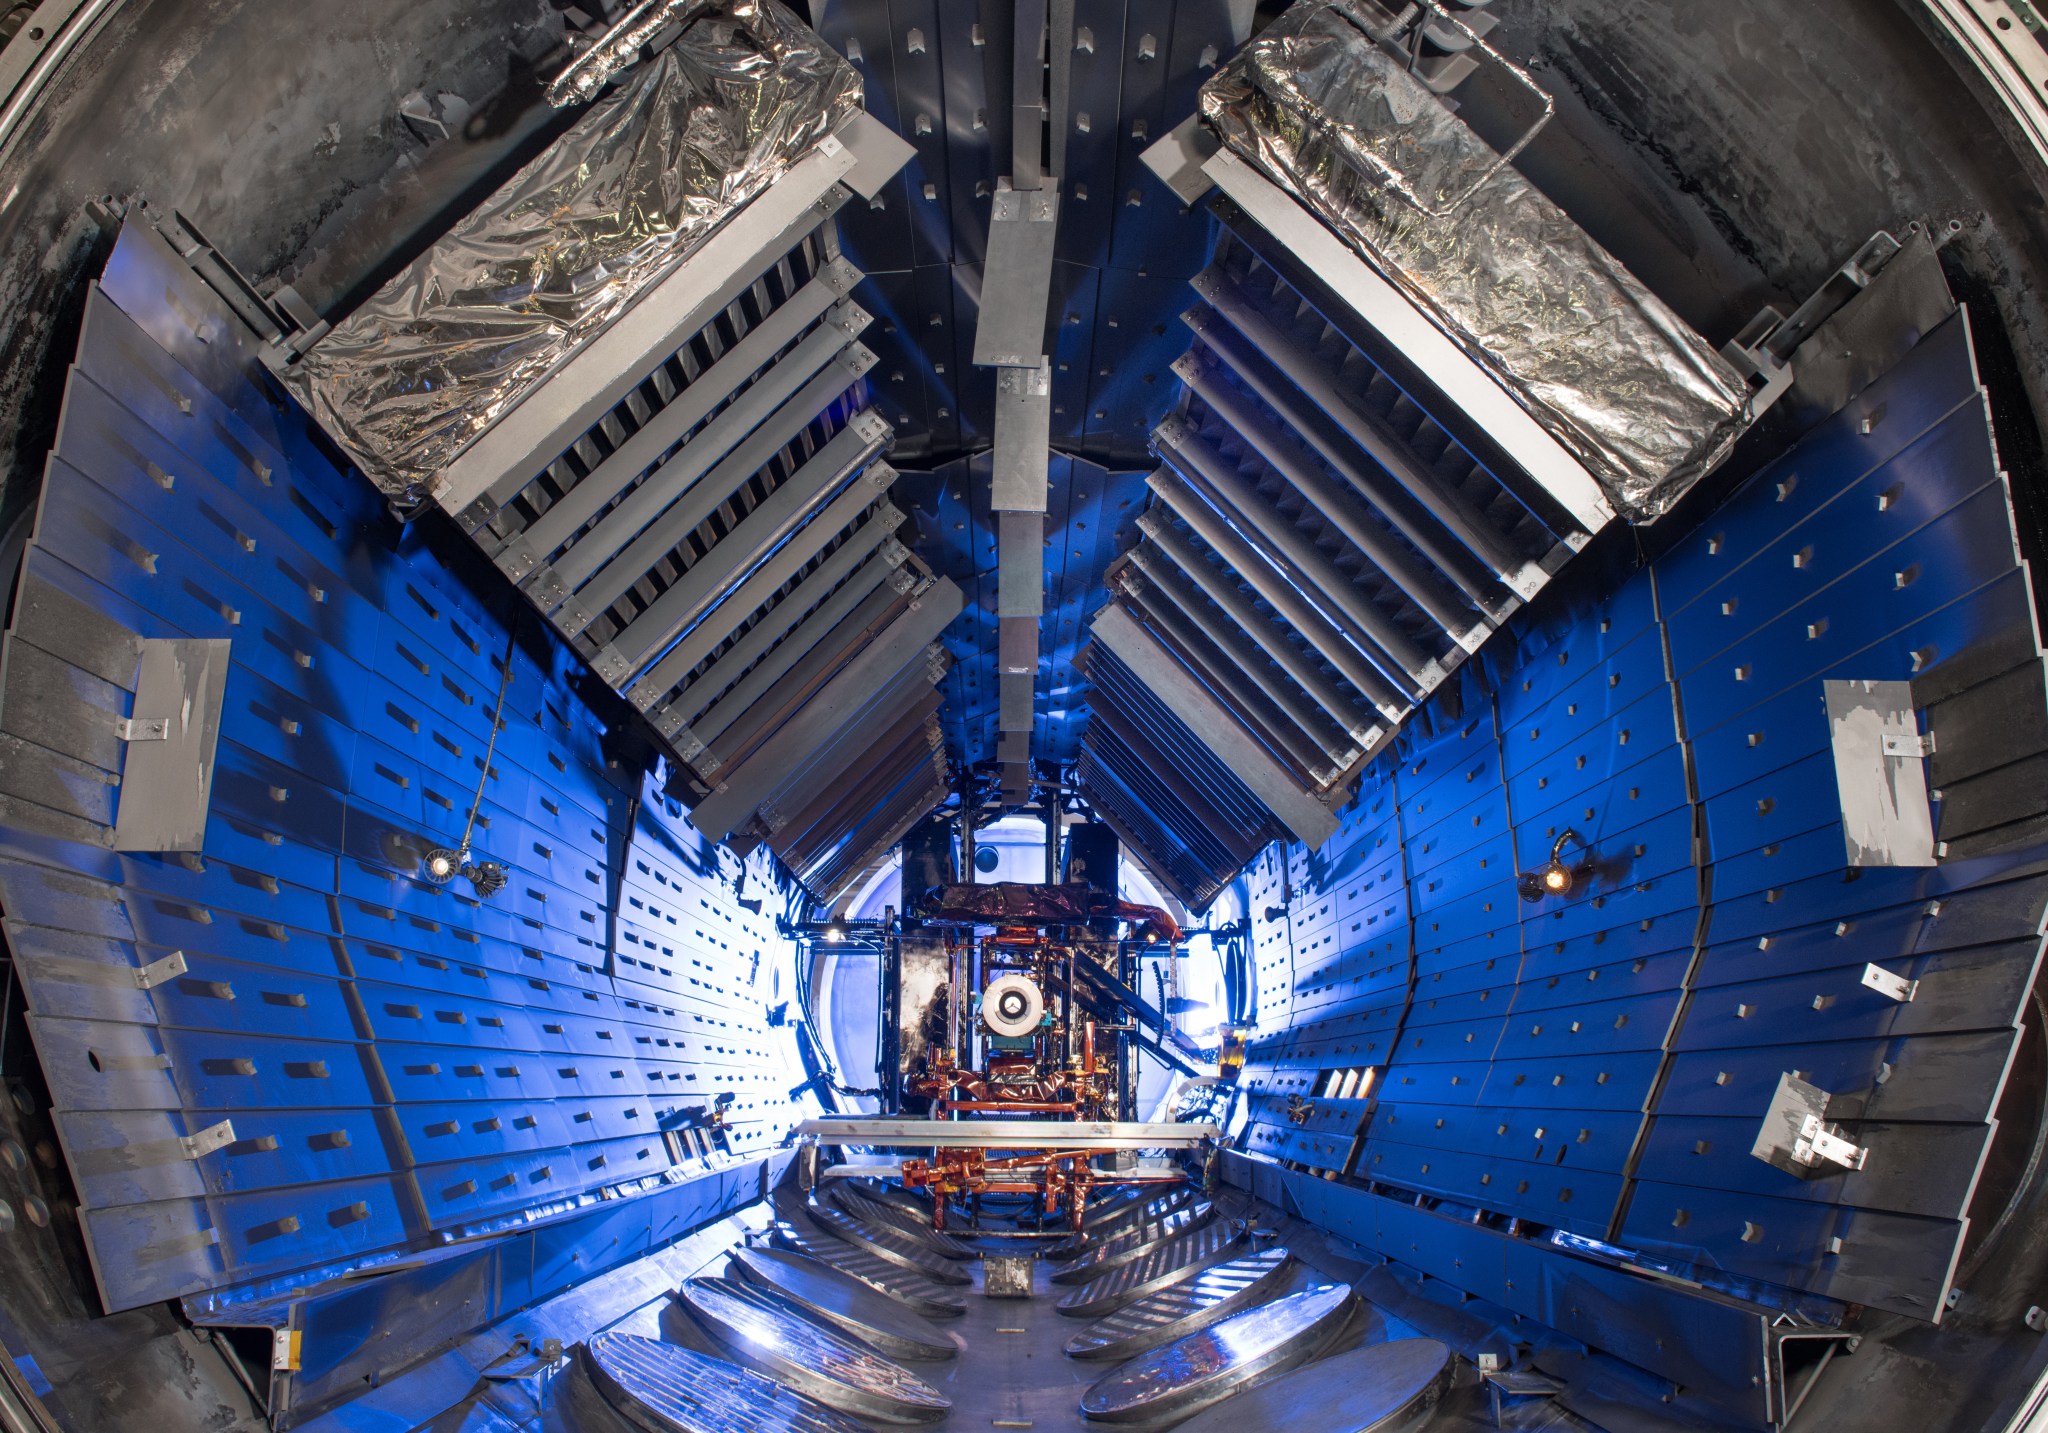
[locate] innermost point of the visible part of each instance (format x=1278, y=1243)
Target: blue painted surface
x=402, y=1062
x=1599, y=1063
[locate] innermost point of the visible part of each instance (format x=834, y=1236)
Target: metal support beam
x=1016, y=278
x=1023, y=438
x=1008, y=1134
x=1020, y=565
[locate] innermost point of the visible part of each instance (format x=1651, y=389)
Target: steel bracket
x=213, y=1137
x=1885, y=983
x=143, y=728
x=1796, y=1136
x=150, y=976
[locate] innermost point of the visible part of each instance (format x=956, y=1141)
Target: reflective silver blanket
x=1617, y=378
x=565, y=246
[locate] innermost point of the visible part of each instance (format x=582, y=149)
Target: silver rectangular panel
x=1177, y=158
x=1014, y=693
x=1017, y=278
x=1383, y=306
x=1020, y=564
x=1010, y=1134
x=1023, y=439
x=807, y=490
x=878, y=153
x=1017, y=646
x=1880, y=773
x=167, y=779
x=505, y=458
x=1213, y=725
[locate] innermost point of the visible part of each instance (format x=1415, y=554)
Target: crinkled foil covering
x=565, y=246
x=1617, y=378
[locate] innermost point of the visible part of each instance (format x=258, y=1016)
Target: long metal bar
x=839, y=701
x=1010, y=332
x=1171, y=774
x=836, y=875
x=524, y=551
x=1247, y=562
x=1385, y=309
x=1452, y=561
x=689, y=511
x=761, y=679
x=826, y=593
x=1447, y=505
x=1220, y=590
x=675, y=478
x=853, y=743
x=1169, y=600
x=1027, y=96
x=1213, y=725
x=896, y=757
x=1439, y=597
x=1010, y=1134
x=762, y=584
x=794, y=500
x=776, y=781
x=1287, y=547
x=745, y=724
x=507, y=455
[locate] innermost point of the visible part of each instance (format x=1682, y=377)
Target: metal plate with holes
x=1376, y=1389
x=1186, y=1306
x=830, y=1368
x=665, y=1388
x=823, y=1292
x=1132, y=1243
x=1200, y=1369
x=920, y=1295
x=1158, y=1267
x=887, y=1243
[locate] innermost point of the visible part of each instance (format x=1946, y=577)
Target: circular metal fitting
x=1012, y=1005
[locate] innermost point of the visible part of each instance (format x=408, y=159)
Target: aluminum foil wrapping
x=1644, y=403
x=566, y=245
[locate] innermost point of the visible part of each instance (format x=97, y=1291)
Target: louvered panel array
x=1330, y=535
x=1600, y=1061
x=281, y=1045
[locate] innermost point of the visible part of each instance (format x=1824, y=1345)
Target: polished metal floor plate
x=885, y=1242
x=1186, y=1306
x=1375, y=1389
x=829, y=1367
x=918, y=1294
x=1104, y=1222
x=665, y=1388
x=918, y=1229
x=876, y=1319
x=1202, y=1368
x=1156, y=1268
x=1131, y=1244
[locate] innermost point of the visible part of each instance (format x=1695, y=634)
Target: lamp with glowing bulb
x=1554, y=877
